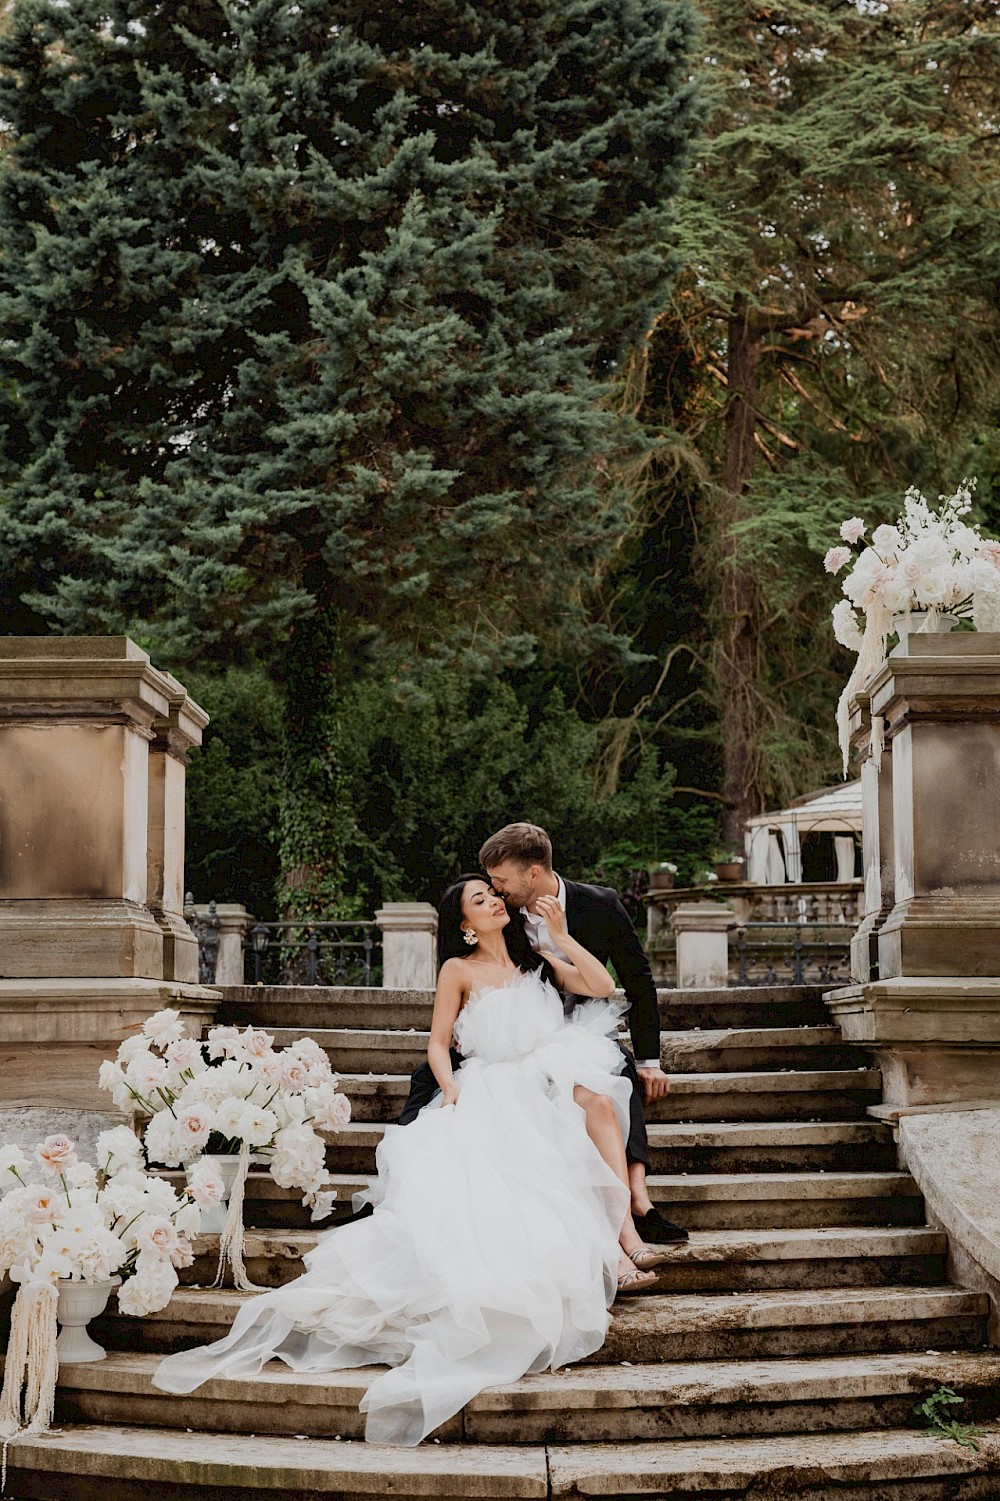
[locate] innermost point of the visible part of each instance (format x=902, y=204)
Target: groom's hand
x=655, y=1083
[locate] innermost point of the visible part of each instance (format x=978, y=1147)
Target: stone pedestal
x=932, y=1011
x=409, y=939
x=702, y=930
x=92, y=936
x=234, y=923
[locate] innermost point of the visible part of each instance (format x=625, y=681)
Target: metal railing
x=313, y=953
x=774, y=953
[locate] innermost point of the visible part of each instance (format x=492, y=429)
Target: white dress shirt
x=541, y=941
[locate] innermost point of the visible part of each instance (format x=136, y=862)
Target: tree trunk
x=314, y=820
x=739, y=661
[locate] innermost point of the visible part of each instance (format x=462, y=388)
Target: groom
x=518, y=861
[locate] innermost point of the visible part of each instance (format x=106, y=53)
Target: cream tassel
x=31, y=1363
x=231, y=1240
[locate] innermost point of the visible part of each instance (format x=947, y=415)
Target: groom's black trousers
x=424, y=1086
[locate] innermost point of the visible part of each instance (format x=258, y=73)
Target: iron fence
x=772, y=953
x=313, y=953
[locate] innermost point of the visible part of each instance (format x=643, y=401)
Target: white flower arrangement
x=228, y=1094
x=63, y=1218
x=931, y=562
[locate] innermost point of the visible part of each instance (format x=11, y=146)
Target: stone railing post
x=702, y=930
x=173, y=736
x=235, y=923
x=932, y=1013
x=409, y=940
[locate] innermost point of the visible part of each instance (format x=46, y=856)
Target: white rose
x=132, y=1047
x=223, y=1041
x=110, y=1075
x=256, y=1126
x=205, y=1184
x=255, y=1044
x=896, y=595
x=145, y=1072
x=195, y=1124
x=185, y=1055
x=887, y=542
x=156, y=1234
x=227, y=1116
x=294, y=1075
x=118, y=1149
x=163, y=1028
x=329, y=1110
x=932, y=588
x=188, y=1221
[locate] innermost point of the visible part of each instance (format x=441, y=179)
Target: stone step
x=117, y=1463
x=884, y=1465
x=822, y=1094
x=705, y=1201
x=726, y=1147
x=657, y=1327
x=97, y=1463
x=387, y=1051
x=580, y=1404
x=711, y=1261
x=306, y=1007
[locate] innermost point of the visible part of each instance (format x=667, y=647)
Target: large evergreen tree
x=307, y=315
x=834, y=336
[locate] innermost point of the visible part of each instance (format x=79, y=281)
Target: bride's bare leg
x=605, y=1132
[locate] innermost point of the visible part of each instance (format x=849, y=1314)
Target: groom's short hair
x=524, y=842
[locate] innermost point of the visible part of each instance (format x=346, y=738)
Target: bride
x=501, y=1230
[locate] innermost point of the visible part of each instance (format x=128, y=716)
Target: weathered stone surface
x=955, y=1157
x=165, y=1462
x=819, y=1466
x=27, y=1124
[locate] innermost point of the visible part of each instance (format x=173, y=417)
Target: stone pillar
x=932, y=1015
x=173, y=737
x=409, y=938
x=91, y=840
x=876, y=838
x=702, y=930
x=235, y=923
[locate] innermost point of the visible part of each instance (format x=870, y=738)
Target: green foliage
x=233, y=784
x=933, y=1412
x=428, y=779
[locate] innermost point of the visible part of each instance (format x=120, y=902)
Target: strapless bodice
x=505, y=1022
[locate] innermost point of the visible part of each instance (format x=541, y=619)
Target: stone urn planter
x=728, y=870
x=661, y=880
x=79, y=1302
x=922, y=622
x=213, y=1221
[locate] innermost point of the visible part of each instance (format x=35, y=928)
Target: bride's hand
x=449, y=1095
x=555, y=918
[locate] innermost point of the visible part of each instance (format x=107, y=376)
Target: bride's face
x=482, y=910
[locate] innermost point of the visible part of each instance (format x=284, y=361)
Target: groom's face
x=515, y=882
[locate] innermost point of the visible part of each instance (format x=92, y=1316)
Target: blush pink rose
x=256, y=1044
x=853, y=530
x=836, y=558
x=184, y=1053
x=157, y=1234
x=43, y=1208
x=182, y=1255
x=55, y=1154
x=294, y=1075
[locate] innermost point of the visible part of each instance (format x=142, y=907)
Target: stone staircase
x=782, y=1354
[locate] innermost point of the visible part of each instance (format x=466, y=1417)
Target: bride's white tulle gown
x=493, y=1249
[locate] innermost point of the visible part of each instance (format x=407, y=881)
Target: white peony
x=145, y=1072
x=162, y=1144
x=298, y=1159
x=150, y=1288
x=896, y=594
x=933, y=588
x=186, y=1056
x=119, y=1149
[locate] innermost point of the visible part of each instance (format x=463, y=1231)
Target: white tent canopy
x=774, y=840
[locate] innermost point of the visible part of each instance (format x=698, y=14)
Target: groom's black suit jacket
x=596, y=918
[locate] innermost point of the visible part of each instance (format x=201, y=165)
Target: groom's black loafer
x=656, y=1230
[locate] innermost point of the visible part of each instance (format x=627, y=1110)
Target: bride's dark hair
x=451, y=944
